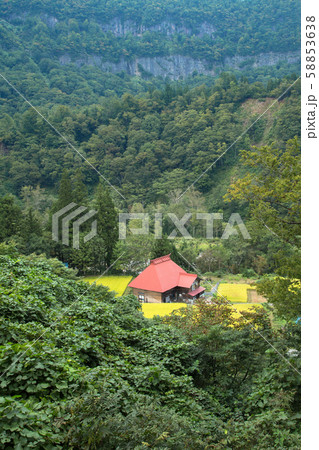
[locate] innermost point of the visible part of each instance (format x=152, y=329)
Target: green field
x=115, y=283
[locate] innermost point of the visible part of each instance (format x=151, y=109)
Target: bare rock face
x=172, y=66
x=178, y=66
x=120, y=27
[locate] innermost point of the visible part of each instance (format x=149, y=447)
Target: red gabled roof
x=162, y=275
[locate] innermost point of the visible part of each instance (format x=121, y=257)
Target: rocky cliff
x=120, y=27
x=183, y=45
x=178, y=66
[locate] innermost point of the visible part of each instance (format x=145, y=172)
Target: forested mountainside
x=146, y=146
x=151, y=148
x=169, y=38
x=150, y=137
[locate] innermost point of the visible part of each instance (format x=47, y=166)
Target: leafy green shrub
x=249, y=273
x=40, y=370
x=219, y=273
x=15, y=332
x=127, y=420
x=209, y=274
x=26, y=424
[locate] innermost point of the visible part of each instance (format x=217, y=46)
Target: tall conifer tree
x=79, y=189
x=107, y=221
x=65, y=191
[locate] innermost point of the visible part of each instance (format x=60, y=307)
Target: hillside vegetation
x=82, y=369
x=146, y=145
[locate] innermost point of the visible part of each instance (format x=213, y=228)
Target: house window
x=141, y=297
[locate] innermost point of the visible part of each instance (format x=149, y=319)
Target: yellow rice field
x=114, y=283
x=163, y=309
x=160, y=309
x=234, y=292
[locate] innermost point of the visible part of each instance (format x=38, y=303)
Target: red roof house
x=165, y=281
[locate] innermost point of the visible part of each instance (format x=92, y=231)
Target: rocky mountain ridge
x=179, y=66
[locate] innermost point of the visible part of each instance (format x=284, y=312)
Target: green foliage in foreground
x=82, y=369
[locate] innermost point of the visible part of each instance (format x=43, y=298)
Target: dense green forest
x=151, y=148
x=145, y=145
